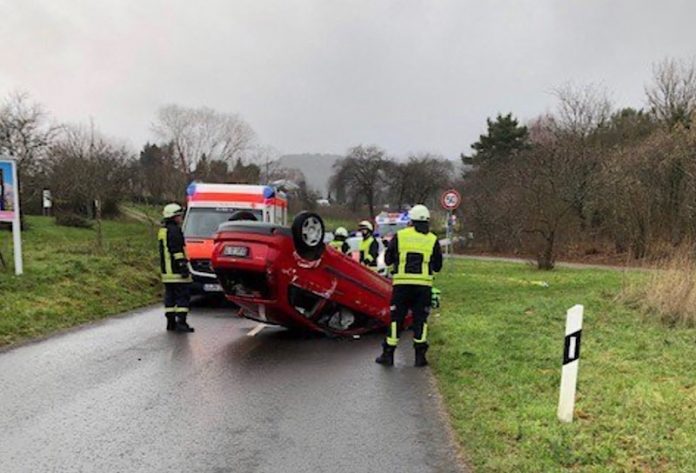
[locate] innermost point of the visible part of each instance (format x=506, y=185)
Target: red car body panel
x=274, y=284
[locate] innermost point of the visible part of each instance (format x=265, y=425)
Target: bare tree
x=25, y=131
x=360, y=175
x=198, y=132
x=84, y=167
x=582, y=109
x=418, y=180
x=584, y=112
x=545, y=186
x=672, y=93
x=25, y=134
x=430, y=174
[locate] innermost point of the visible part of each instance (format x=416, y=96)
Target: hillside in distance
x=317, y=168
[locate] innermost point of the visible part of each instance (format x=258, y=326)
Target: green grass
x=332, y=224
x=69, y=281
x=496, y=351
x=152, y=212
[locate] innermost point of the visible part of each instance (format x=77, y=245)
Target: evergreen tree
x=504, y=138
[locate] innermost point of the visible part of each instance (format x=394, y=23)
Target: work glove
x=184, y=269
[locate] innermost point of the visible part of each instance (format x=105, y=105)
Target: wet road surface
x=126, y=396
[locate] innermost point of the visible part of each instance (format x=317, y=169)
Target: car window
x=203, y=223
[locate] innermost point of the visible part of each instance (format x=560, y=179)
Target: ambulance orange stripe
x=230, y=197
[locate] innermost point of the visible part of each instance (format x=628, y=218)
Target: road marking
x=256, y=330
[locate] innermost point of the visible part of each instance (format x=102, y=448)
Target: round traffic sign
x=450, y=199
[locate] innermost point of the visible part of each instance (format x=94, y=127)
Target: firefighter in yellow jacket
x=339, y=240
x=174, y=269
x=369, y=247
x=415, y=255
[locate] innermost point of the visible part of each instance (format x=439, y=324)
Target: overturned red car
x=287, y=276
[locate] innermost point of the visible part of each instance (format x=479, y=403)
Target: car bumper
x=205, y=284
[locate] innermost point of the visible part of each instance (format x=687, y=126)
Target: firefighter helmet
x=366, y=224
x=419, y=213
x=172, y=210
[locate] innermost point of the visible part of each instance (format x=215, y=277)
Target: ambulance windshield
x=204, y=222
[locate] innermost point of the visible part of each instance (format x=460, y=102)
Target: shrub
x=67, y=219
x=670, y=289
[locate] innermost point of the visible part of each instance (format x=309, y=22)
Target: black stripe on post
x=572, y=341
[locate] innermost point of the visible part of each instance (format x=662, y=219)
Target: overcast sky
x=323, y=75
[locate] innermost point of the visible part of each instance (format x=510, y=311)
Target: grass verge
x=496, y=352
x=69, y=281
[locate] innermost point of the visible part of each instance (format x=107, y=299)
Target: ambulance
x=210, y=205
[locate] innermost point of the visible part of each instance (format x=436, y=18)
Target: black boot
x=182, y=326
x=420, y=349
x=387, y=356
x=171, y=321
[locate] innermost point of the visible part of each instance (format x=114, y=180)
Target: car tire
x=308, y=235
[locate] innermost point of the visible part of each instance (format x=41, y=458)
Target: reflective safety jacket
x=415, y=256
x=340, y=245
x=369, y=250
x=172, y=252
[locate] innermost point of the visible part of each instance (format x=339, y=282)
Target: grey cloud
x=319, y=76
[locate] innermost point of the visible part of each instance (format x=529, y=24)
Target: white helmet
x=366, y=224
x=172, y=210
x=419, y=213
x=341, y=232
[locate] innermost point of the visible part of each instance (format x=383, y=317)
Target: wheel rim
x=311, y=231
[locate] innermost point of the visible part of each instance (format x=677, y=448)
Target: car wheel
x=308, y=235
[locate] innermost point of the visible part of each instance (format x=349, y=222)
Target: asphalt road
x=126, y=396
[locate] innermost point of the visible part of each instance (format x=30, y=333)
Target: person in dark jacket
x=415, y=255
x=174, y=269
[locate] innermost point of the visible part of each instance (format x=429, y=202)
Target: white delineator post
x=17, y=226
x=571, y=360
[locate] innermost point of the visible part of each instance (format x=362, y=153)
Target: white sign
x=47, y=199
x=450, y=199
x=9, y=206
x=571, y=362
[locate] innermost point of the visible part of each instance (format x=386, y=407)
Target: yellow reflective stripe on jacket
x=336, y=244
x=424, y=335
x=176, y=278
x=411, y=242
x=365, y=255
x=166, y=258
x=393, y=338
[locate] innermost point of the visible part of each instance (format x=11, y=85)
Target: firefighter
x=339, y=241
x=415, y=254
x=369, y=247
x=174, y=268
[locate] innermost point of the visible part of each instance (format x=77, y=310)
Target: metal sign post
x=9, y=207
x=450, y=201
x=449, y=233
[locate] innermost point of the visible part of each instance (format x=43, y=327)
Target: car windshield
x=203, y=223
x=389, y=228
